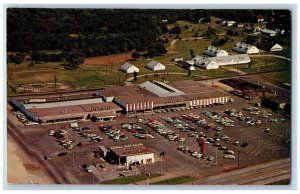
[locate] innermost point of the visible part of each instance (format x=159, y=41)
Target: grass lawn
x=272, y=65
x=128, y=180
x=282, y=77
x=175, y=181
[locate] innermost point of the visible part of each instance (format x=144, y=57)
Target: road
x=56, y=176
x=261, y=174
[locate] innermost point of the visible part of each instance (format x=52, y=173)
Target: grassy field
x=175, y=181
x=128, y=180
x=98, y=75
x=261, y=66
x=282, y=77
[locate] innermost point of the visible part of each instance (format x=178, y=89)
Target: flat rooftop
x=117, y=91
x=63, y=103
x=131, y=151
x=75, y=109
x=160, y=89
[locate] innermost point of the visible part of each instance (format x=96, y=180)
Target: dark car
x=47, y=157
x=62, y=154
x=244, y=145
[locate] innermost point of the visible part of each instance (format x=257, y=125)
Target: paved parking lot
x=261, y=146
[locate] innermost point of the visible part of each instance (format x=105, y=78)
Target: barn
x=129, y=68
x=245, y=48
x=156, y=66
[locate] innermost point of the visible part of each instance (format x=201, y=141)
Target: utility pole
x=286, y=135
x=258, y=146
x=238, y=158
x=161, y=167
x=216, y=156
x=186, y=174
x=241, y=135
x=73, y=159
x=78, y=164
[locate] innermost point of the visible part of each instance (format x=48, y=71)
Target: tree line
x=99, y=32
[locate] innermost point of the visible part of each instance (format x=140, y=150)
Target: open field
x=108, y=59
x=101, y=71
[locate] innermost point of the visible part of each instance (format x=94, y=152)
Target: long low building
x=174, y=94
x=144, y=97
x=216, y=62
x=93, y=111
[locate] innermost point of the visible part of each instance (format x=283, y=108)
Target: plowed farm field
x=108, y=59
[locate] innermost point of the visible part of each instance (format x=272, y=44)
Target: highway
x=261, y=174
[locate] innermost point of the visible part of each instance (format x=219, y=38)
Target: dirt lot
x=271, y=145
x=108, y=59
x=21, y=168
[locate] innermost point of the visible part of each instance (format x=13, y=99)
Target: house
x=245, y=48
x=230, y=23
x=156, y=66
x=214, y=51
x=268, y=32
x=177, y=58
x=240, y=25
x=260, y=18
x=129, y=68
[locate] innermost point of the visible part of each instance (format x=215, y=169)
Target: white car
x=228, y=156
x=230, y=152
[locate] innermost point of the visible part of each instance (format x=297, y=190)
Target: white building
x=129, y=68
x=245, y=48
x=276, y=47
x=177, y=58
x=231, y=59
x=228, y=23
x=215, y=51
x=133, y=154
x=216, y=62
x=268, y=32
x=204, y=63
x=156, y=66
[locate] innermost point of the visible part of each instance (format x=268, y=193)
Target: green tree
x=192, y=53
x=135, y=55
x=74, y=59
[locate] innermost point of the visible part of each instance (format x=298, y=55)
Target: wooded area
x=99, y=32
